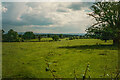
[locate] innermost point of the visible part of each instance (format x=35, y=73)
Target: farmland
x=28, y=59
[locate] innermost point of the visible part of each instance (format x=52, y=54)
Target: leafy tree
x=55, y=37
x=20, y=35
x=80, y=37
x=61, y=36
x=1, y=34
x=77, y=37
x=70, y=38
x=48, y=35
x=107, y=26
x=39, y=37
x=28, y=35
x=74, y=37
x=11, y=36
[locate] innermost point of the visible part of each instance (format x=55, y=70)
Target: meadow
x=28, y=59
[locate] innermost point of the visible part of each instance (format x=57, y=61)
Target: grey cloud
x=59, y=29
x=33, y=19
x=44, y=15
x=80, y=5
x=13, y=10
x=33, y=4
x=16, y=10
x=61, y=10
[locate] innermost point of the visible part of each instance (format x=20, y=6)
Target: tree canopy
x=55, y=37
x=39, y=37
x=107, y=26
x=11, y=36
x=28, y=35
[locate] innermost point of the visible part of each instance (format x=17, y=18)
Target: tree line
x=13, y=36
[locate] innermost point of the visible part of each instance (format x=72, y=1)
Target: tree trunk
x=105, y=40
x=116, y=42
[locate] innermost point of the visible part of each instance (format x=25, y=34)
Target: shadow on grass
x=101, y=47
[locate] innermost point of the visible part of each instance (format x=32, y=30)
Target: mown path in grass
x=28, y=59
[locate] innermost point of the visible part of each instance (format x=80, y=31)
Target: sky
x=47, y=17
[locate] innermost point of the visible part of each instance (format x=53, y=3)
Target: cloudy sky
x=46, y=17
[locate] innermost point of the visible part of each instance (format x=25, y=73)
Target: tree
x=107, y=26
x=11, y=36
x=61, y=36
x=70, y=38
x=1, y=34
x=39, y=37
x=74, y=37
x=28, y=35
x=48, y=35
x=55, y=37
x=3, y=31
x=77, y=37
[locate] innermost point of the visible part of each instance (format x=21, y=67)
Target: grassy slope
x=28, y=59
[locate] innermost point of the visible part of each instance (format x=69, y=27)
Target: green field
x=28, y=59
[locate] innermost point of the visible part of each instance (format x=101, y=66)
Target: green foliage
x=97, y=33
x=39, y=37
x=77, y=37
x=107, y=16
x=11, y=36
x=55, y=37
x=70, y=38
x=61, y=36
x=28, y=35
x=48, y=35
x=74, y=37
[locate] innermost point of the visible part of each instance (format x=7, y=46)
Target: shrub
x=77, y=37
x=70, y=38
x=39, y=37
x=11, y=36
x=74, y=37
x=55, y=38
x=28, y=35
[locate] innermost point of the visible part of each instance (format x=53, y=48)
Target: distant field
x=43, y=40
x=28, y=59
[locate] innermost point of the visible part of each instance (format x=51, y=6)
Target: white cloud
x=56, y=17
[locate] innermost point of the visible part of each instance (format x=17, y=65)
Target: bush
x=74, y=37
x=55, y=38
x=77, y=37
x=28, y=35
x=39, y=37
x=11, y=36
x=61, y=36
x=70, y=38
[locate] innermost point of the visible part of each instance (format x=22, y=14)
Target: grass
x=43, y=40
x=28, y=59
